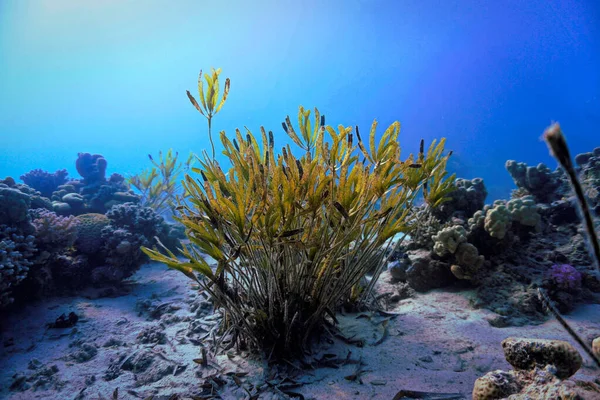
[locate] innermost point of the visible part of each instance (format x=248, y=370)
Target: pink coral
x=52, y=230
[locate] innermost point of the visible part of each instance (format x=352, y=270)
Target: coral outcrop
x=468, y=197
x=542, y=371
x=91, y=167
x=538, y=181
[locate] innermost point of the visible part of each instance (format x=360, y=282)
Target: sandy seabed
x=144, y=343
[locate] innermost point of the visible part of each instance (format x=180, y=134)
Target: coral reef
x=92, y=194
x=497, y=220
x=506, y=249
x=122, y=252
x=76, y=197
x=426, y=273
x=137, y=219
x=58, y=246
x=448, y=240
x=526, y=354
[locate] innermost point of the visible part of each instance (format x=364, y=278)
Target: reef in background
x=58, y=236
x=505, y=250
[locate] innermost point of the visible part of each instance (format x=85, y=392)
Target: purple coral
x=44, y=181
x=565, y=277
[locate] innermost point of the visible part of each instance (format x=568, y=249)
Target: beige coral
x=498, y=220
x=525, y=211
x=448, y=239
x=469, y=261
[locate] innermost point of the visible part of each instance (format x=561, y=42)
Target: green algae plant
x=293, y=238
x=209, y=100
x=159, y=186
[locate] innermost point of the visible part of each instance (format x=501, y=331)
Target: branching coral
x=293, y=236
x=16, y=252
x=424, y=226
x=52, y=231
x=137, y=219
x=44, y=181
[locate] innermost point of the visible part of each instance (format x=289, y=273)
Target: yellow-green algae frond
x=294, y=237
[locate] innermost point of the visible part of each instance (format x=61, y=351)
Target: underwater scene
x=276, y=199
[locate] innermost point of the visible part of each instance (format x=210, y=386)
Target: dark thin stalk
x=210, y=136
x=559, y=149
x=550, y=307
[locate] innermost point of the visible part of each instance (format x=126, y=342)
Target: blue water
x=110, y=76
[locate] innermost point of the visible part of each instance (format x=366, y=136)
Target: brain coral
x=89, y=232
